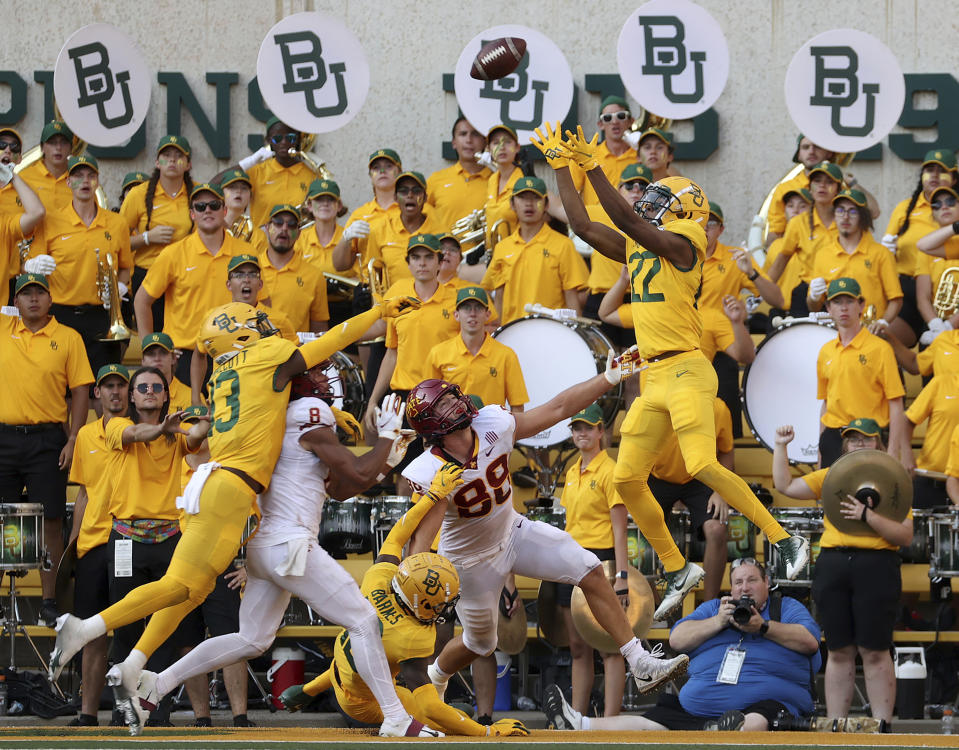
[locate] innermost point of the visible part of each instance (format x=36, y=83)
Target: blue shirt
x=770, y=671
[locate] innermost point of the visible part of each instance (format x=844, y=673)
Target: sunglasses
x=245, y=275
x=635, y=185
x=946, y=200
x=12, y=145
x=201, y=206
x=410, y=190
x=276, y=140
x=280, y=223
x=147, y=387
x=610, y=116
x=850, y=211
x=744, y=561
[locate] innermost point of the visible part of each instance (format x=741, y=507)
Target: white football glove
x=613, y=372
x=6, y=173
x=42, y=264
x=357, y=230
x=632, y=138
x=935, y=326
x=888, y=241
x=260, y=155
x=484, y=159
x=388, y=417
x=398, y=449
x=817, y=288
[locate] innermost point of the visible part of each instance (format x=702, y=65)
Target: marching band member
x=460, y=189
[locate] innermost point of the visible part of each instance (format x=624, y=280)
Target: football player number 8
x=226, y=379
x=474, y=500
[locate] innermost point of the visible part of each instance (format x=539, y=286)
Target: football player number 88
x=224, y=422
x=473, y=499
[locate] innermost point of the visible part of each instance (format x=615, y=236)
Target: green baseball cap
x=273, y=121
x=452, y=238
x=55, y=127
x=195, y=413
x=867, y=427
x=634, y=172
x=474, y=293
x=429, y=241
x=26, y=279
x=177, y=141
x=108, y=370
x=592, y=414
x=716, y=210
x=531, y=185
x=15, y=134
x=801, y=192
x=323, y=187
x=133, y=178
x=507, y=128
x=385, y=153
x=235, y=175
x=828, y=168
x=83, y=160
x=941, y=156
x=285, y=208
x=239, y=260
x=417, y=177
x=841, y=286
x=210, y=187
x=944, y=189
x=613, y=99
x=664, y=135
x=856, y=196
x=157, y=338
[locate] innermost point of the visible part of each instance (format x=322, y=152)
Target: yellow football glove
x=581, y=151
x=446, y=480
x=396, y=306
x=347, y=422
x=508, y=728
x=551, y=144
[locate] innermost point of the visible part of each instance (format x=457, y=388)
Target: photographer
x=750, y=656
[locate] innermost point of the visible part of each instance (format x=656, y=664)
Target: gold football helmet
x=673, y=198
x=232, y=327
x=428, y=585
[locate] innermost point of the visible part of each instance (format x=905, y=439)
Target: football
x=498, y=58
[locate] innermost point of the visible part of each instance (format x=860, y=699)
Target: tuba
x=946, y=300
x=107, y=283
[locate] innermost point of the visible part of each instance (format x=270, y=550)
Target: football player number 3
x=229, y=382
x=474, y=500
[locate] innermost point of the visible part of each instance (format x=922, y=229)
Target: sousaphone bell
x=873, y=477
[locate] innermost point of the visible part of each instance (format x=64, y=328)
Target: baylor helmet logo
x=432, y=582
x=98, y=84
x=514, y=88
x=838, y=87
x=305, y=70
x=667, y=56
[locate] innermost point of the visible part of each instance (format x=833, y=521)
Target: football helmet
x=232, y=327
x=425, y=416
x=314, y=382
x=673, y=198
x=428, y=586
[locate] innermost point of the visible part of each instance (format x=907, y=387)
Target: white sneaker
x=408, y=728
x=559, y=714
x=438, y=682
x=147, y=690
x=794, y=553
x=678, y=584
x=126, y=700
x=68, y=644
x=651, y=670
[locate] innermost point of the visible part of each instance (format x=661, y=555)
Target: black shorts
x=91, y=322
x=694, y=495
x=669, y=712
x=218, y=615
x=857, y=596
x=92, y=590
x=29, y=458
x=910, y=310
x=564, y=591
x=929, y=493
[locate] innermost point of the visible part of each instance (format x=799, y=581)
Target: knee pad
x=484, y=645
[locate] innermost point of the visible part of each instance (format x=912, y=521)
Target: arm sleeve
x=400, y=533
x=338, y=338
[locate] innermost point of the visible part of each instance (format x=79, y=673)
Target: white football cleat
x=651, y=670
x=147, y=690
x=408, y=728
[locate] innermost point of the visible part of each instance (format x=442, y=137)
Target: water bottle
x=947, y=720
x=3, y=695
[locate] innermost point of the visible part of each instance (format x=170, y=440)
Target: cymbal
x=65, y=581
x=873, y=477
x=550, y=623
x=639, y=613
x=511, y=631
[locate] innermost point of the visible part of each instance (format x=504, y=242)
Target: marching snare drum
x=553, y=356
x=641, y=554
x=23, y=540
x=805, y=522
x=346, y=381
x=345, y=526
x=944, y=538
x=918, y=551
x=387, y=510
x=779, y=388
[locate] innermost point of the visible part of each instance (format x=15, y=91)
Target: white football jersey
x=293, y=503
x=479, y=513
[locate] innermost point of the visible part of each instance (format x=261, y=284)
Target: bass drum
x=779, y=388
x=346, y=380
x=555, y=355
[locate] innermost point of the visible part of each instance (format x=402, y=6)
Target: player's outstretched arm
x=348, y=474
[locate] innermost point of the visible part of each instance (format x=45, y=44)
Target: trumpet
x=379, y=277
x=242, y=228
x=107, y=283
x=947, y=293
x=23, y=246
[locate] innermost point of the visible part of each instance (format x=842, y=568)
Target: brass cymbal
x=511, y=631
x=870, y=476
x=639, y=613
x=550, y=623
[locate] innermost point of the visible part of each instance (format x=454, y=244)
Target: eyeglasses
x=276, y=140
x=635, y=185
x=147, y=387
x=280, y=223
x=610, y=116
x=201, y=206
x=410, y=190
x=851, y=211
x=946, y=200
x=713, y=223
x=245, y=275
x=857, y=438
x=745, y=561
x=12, y=145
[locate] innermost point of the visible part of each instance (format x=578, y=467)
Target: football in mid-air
x=498, y=58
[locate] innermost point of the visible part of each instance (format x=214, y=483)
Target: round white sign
x=102, y=85
x=673, y=58
x=312, y=72
x=845, y=90
x=539, y=90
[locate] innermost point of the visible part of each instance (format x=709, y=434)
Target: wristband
x=955, y=227
x=754, y=276
x=623, y=575
x=764, y=628
x=865, y=510
x=146, y=237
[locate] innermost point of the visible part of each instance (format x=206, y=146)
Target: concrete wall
x=410, y=44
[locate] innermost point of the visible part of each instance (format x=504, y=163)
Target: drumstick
x=938, y=475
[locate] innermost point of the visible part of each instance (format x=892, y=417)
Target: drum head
x=779, y=388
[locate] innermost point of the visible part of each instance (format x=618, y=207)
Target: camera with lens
x=743, y=610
